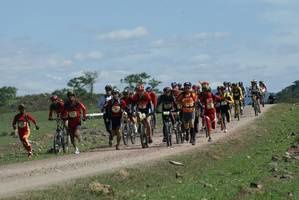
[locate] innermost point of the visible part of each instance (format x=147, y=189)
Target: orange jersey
x=187, y=100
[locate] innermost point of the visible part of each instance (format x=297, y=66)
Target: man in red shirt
x=57, y=106
x=22, y=120
x=115, y=109
x=154, y=103
x=142, y=100
x=207, y=98
x=73, y=111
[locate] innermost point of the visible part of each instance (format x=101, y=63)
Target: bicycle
x=256, y=105
x=167, y=126
x=61, y=137
x=237, y=109
x=128, y=130
x=141, y=129
x=177, y=129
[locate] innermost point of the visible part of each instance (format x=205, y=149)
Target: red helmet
x=140, y=88
x=53, y=98
x=195, y=87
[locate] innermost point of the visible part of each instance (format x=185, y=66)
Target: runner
x=115, y=109
x=102, y=104
x=74, y=110
x=22, y=120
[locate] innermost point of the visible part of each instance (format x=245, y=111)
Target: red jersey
x=208, y=99
x=73, y=113
x=142, y=100
x=154, y=98
x=22, y=120
x=116, y=107
x=58, y=108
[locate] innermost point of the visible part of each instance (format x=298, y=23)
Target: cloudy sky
x=44, y=44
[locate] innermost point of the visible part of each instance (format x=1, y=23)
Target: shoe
x=193, y=142
x=117, y=147
x=225, y=130
x=30, y=154
x=150, y=140
x=187, y=137
x=110, y=143
x=164, y=140
x=210, y=139
x=77, y=152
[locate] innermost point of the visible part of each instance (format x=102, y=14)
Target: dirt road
x=21, y=177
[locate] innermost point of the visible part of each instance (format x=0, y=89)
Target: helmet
x=261, y=82
x=108, y=87
x=115, y=91
x=21, y=107
x=240, y=83
x=234, y=84
x=126, y=91
x=179, y=85
x=140, y=88
x=225, y=83
x=149, y=89
x=254, y=81
x=195, y=87
x=174, y=84
x=187, y=84
x=222, y=88
x=53, y=98
x=70, y=93
x=167, y=89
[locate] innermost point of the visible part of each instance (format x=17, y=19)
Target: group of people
x=191, y=104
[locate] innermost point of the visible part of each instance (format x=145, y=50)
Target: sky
x=43, y=44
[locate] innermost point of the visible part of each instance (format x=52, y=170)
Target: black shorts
x=115, y=122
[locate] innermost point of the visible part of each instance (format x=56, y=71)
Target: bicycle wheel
x=168, y=133
x=125, y=134
x=132, y=134
x=57, y=143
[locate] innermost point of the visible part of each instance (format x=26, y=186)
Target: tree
x=80, y=83
x=154, y=84
x=89, y=79
x=134, y=79
x=7, y=95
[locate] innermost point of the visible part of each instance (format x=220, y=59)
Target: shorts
x=116, y=123
x=188, y=119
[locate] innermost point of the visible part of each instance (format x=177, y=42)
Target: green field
x=224, y=170
x=93, y=135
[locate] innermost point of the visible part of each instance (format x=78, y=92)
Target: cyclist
x=198, y=108
x=115, y=109
x=22, y=120
x=243, y=92
x=187, y=100
x=102, y=104
x=225, y=101
x=142, y=101
x=255, y=94
x=217, y=106
x=154, y=102
x=74, y=109
x=167, y=101
x=208, y=98
x=263, y=89
x=56, y=106
x=127, y=97
x=175, y=89
x=237, y=97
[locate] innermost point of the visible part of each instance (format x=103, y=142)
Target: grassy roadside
x=223, y=170
x=11, y=150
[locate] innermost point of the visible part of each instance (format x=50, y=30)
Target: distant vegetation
x=83, y=86
x=290, y=94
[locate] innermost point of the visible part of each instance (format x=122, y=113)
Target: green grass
x=11, y=150
x=224, y=170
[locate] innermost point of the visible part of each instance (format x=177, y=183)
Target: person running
x=208, y=99
x=154, y=102
x=74, y=109
x=56, y=106
x=225, y=101
x=21, y=123
x=115, y=109
x=142, y=100
x=167, y=101
x=238, y=98
x=102, y=104
x=187, y=100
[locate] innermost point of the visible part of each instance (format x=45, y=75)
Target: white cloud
x=124, y=34
x=93, y=55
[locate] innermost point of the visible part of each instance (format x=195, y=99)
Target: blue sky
x=44, y=44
